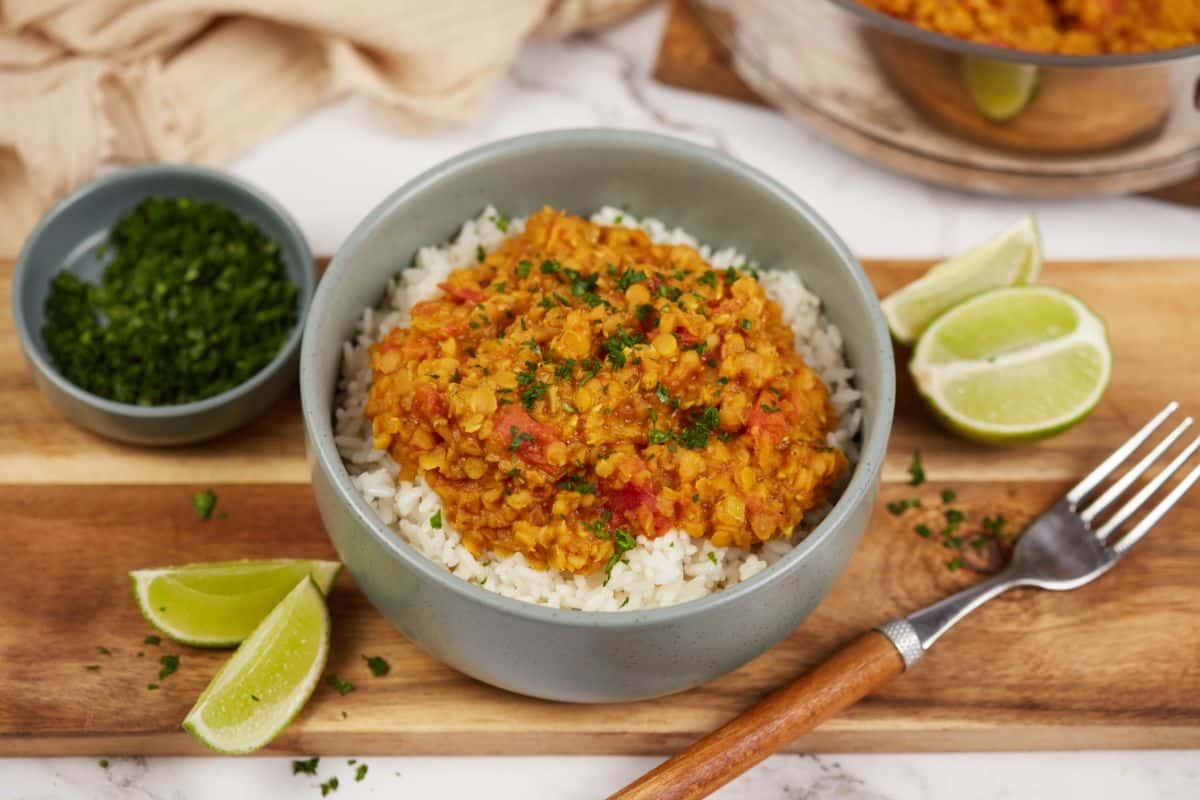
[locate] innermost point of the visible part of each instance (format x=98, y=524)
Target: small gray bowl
x=573, y=655
x=67, y=238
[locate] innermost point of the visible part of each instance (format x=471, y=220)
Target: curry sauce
x=581, y=386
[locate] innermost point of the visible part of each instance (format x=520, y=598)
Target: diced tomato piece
x=429, y=402
x=464, y=293
x=774, y=425
x=685, y=338
x=512, y=424
x=627, y=502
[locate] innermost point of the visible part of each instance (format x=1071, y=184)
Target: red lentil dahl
x=581, y=386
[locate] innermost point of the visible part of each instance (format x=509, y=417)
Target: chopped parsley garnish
x=169, y=663
x=730, y=275
x=152, y=687
x=629, y=278
x=643, y=312
x=898, y=507
x=523, y=268
x=360, y=773
x=616, y=345
x=378, y=665
x=994, y=525
x=696, y=435
x=517, y=438
x=955, y=564
x=923, y=531
x=565, y=370
x=915, y=470
x=954, y=516
x=745, y=324
x=590, y=367
x=656, y=436
x=342, y=687
x=435, y=521
x=625, y=602
x=664, y=396
x=769, y=409
x=948, y=495
x=501, y=222
x=546, y=302
x=500, y=287
x=712, y=556
x=549, y=267
x=708, y=279
x=204, y=502
x=573, y=483
x=328, y=786
x=532, y=393
x=103, y=763
x=672, y=293
x=623, y=542
x=306, y=767
x=480, y=253
x=92, y=667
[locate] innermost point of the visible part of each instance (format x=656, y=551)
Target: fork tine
x=1119, y=455
x=1139, y=499
x=1150, y=520
x=1118, y=488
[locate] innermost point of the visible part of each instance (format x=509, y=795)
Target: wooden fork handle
x=852, y=673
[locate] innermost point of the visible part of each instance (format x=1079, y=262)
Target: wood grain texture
x=690, y=57
x=1115, y=664
x=850, y=674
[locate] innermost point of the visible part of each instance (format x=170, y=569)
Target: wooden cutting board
x=1113, y=665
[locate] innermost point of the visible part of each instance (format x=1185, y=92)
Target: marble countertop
x=603, y=80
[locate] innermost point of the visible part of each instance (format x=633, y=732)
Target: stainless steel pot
x=896, y=94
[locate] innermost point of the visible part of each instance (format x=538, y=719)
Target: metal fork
x=1065, y=548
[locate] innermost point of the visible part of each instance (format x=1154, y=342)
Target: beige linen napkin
x=89, y=82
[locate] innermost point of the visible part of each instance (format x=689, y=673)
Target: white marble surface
x=331, y=168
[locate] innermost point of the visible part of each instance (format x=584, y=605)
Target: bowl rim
x=136, y=174
x=323, y=451
x=968, y=47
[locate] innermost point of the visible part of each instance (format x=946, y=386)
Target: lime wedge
x=1010, y=259
x=999, y=89
x=269, y=679
x=1014, y=364
x=219, y=604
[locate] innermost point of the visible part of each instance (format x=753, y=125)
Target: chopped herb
x=203, y=503
x=92, y=667
x=643, y=312
x=590, y=367
x=616, y=345
x=378, y=665
x=769, y=409
x=568, y=407
x=696, y=497
x=513, y=473
x=923, y=531
x=730, y=275
x=193, y=302
x=480, y=253
x=103, y=763
x=994, y=525
x=523, y=268
x=948, y=495
x=565, y=370
x=955, y=564
x=343, y=687
x=916, y=470
x=169, y=663
x=328, y=786
x=500, y=287
x=625, y=602
x=549, y=267
x=618, y=218
x=104, y=651
x=745, y=324
x=708, y=279
x=696, y=435
x=517, y=437
x=501, y=222
x=152, y=687
x=665, y=397
x=712, y=556
x=532, y=393
x=576, y=484
x=623, y=542
x=898, y=507
x=435, y=521
x=954, y=516
x=672, y=293
x=629, y=278
x=546, y=302
x=360, y=773
x=980, y=542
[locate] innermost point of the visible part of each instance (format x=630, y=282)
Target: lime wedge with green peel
x=220, y=604
x=1000, y=90
x=1014, y=364
x=269, y=679
x=1011, y=259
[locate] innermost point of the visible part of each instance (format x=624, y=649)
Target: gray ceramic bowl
x=67, y=238
x=572, y=655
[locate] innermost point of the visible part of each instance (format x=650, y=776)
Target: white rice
x=670, y=569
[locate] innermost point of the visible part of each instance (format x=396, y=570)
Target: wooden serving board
x=1113, y=665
